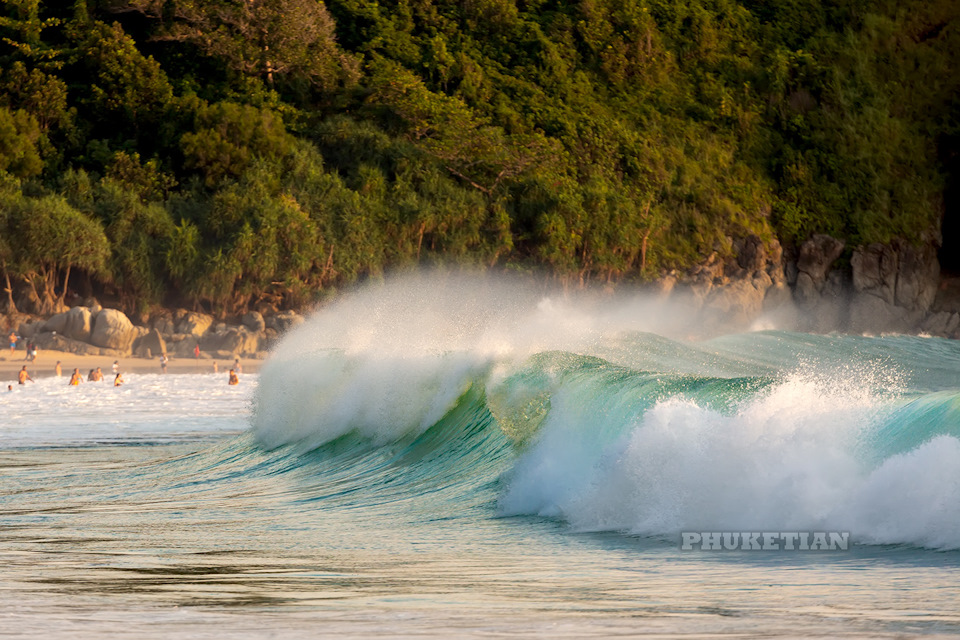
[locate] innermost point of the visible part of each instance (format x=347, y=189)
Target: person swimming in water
x=233, y=377
x=76, y=378
x=118, y=380
x=23, y=376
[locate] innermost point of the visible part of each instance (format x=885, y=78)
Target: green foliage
x=238, y=153
x=266, y=38
x=140, y=234
x=228, y=136
x=125, y=83
x=46, y=239
x=19, y=137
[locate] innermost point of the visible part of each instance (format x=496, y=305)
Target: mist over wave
x=618, y=423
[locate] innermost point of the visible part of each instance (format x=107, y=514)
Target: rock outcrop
x=254, y=322
x=113, y=330
x=884, y=288
x=59, y=342
x=894, y=287
x=814, y=261
x=150, y=345
x=732, y=293
x=283, y=321
x=194, y=324
x=95, y=331
x=74, y=324
x=235, y=340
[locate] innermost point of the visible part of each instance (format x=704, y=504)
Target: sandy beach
x=44, y=365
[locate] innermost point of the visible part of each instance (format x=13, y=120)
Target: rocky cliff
x=822, y=285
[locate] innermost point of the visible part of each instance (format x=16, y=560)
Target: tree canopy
x=236, y=154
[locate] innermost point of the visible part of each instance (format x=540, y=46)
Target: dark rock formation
x=894, y=287
x=814, y=260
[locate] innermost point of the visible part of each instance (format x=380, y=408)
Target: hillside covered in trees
x=235, y=154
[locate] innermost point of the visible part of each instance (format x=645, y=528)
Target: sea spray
x=795, y=456
x=388, y=360
x=616, y=427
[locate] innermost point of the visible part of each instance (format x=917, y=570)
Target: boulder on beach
x=194, y=324
x=284, y=321
x=150, y=345
x=49, y=340
x=253, y=321
x=113, y=330
x=79, y=324
x=235, y=340
x=74, y=324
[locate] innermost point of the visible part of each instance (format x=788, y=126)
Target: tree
x=228, y=136
x=468, y=145
x=19, y=136
x=48, y=239
x=265, y=38
x=124, y=83
x=9, y=192
x=140, y=233
x=21, y=29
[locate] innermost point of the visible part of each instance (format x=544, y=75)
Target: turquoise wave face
x=614, y=429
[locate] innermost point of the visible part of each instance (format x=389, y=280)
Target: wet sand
x=44, y=365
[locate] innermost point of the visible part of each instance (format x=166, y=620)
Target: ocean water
x=463, y=458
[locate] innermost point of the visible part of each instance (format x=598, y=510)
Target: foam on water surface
x=146, y=408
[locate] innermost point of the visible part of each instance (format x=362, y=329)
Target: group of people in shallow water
x=96, y=375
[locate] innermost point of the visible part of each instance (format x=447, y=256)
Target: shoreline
x=44, y=365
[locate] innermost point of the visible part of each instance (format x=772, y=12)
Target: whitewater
x=453, y=456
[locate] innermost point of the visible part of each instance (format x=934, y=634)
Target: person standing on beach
x=196, y=351
x=236, y=366
x=116, y=367
x=23, y=376
x=76, y=378
x=163, y=363
x=57, y=369
x=13, y=342
x=216, y=368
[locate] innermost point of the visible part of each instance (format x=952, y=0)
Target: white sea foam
x=790, y=459
x=147, y=407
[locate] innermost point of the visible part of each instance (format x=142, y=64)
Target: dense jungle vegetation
x=235, y=154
